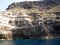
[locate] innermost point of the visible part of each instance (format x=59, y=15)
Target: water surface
x=31, y=42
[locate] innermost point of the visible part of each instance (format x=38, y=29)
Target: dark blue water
x=31, y=42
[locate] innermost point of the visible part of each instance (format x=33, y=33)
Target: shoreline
x=47, y=38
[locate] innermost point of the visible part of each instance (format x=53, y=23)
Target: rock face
x=45, y=4
x=37, y=19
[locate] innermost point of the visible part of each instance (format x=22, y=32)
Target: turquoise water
x=31, y=42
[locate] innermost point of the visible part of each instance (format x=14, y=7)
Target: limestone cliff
x=35, y=19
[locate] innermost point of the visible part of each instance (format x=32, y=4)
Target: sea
x=31, y=42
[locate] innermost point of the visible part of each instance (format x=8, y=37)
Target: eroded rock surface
x=30, y=20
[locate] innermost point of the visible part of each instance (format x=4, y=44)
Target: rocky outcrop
x=45, y=4
x=37, y=19
x=5, y=33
